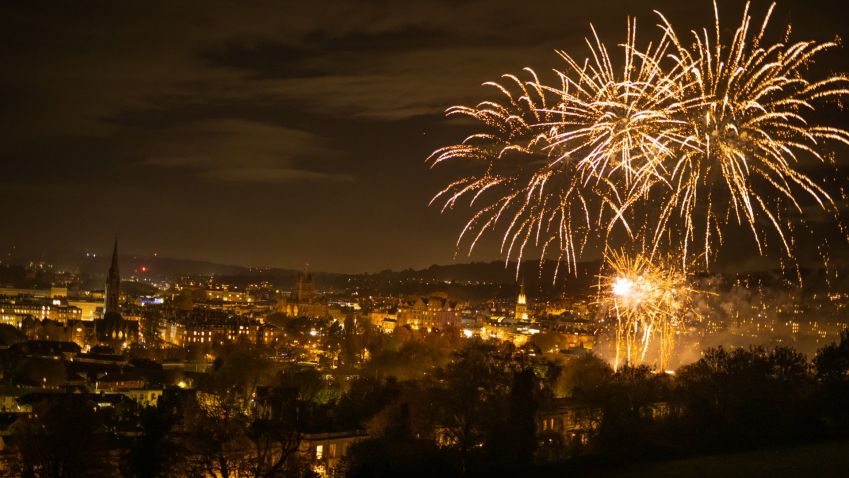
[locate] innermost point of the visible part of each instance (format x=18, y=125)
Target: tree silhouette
x=66, y=438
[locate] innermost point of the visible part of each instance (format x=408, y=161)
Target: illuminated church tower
x=302, y=301
x=304, y=287
x=522, y=305
x=112, y=329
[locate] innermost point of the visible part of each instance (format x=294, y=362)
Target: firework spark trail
x=519, y=183
x=620, y=126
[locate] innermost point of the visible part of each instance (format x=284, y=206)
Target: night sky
x=276, y=133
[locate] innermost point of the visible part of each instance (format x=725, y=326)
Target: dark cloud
x=242, y=151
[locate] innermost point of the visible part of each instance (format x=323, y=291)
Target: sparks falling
x=751, y=136
x=520, y=184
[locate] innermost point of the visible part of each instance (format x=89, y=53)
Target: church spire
x=113, y=284
x=521, y=313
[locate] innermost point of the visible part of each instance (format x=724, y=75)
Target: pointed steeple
x=114, y=265
x=521, y=313
x=113, y=284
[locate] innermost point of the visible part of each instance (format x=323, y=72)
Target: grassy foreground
x=823, y=459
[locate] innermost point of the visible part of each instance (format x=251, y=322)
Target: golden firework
x=650, y=299
x=561, y=165
x=676, y=146
x=751, y=137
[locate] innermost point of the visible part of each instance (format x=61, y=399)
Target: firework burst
x=750, y=136
x=681, y=143
x=620, y=125
x=561, y=165
x=650, y=299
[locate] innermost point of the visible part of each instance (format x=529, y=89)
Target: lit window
x=319, y=451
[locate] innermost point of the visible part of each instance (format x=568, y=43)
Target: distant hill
x=475, y=279
x=466, y=280
x=158, y=267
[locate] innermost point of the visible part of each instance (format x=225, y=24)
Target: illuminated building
x=573, y=421
x=302, y=301
x=304, y=288
x=9, y=399
x=428, y=313
x=569, y=331
x=226, y=295
x=385, y=321
x=505, y=332
x=76, y=331
x=111, y=294
x=326, y=450
x=51, y=293
x=53, y=349
x=173, y=333
x=144, y=397
x=91, y=309
x=207, y=327
x=418, y=313
x=212, y=332
x=13, y=312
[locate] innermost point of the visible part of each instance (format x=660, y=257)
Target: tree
x=238, y=369
x=275, y=432
x=216, y=420
x=832, y=361
x=366, y=397
x=583, y=378
x=512, y=440
x=154, y=452
x=65, y=438
x=831, y=365
x=306, y=381
x=746, y=396
x=215, y=436
x=628, y=404
x=470, y=398
x=398, y=452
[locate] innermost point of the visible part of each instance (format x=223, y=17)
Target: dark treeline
x=438, y=407
x=728, y=400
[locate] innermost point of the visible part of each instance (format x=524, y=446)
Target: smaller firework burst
x=518, y=184
x=650, y=299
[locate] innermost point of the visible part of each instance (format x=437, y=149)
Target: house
x=326, y=450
